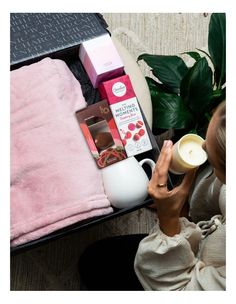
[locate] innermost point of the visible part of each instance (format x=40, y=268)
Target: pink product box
x=126, y=112
x=100, y=59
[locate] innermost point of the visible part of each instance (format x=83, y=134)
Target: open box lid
x=37, y=35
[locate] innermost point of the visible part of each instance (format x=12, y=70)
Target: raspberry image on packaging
x=128, y=135
x=139, y=124
x=131, y=126
x=136, y=137
x=141, y=132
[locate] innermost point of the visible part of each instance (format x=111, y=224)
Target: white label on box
x=119, y=89
x=131, y=126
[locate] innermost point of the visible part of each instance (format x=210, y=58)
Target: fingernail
x=165, y=143
x=168, y=144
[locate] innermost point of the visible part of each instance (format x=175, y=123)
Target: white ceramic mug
x=126, y=182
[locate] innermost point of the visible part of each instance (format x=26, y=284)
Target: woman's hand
x=168, y=203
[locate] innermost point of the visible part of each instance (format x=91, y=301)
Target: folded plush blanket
x=54, y=179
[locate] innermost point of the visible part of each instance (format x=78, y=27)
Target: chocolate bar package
x=100, y=131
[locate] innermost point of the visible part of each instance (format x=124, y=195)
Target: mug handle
x=149, y=162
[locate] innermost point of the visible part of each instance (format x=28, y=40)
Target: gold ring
x=161, y=185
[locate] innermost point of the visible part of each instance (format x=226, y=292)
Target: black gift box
x=36, y=35
x=58, y=35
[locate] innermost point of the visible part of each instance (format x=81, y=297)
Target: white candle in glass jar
x=187, y=154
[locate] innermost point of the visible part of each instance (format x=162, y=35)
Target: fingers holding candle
x=160, y=174
x=165, y=156
x=179, y=158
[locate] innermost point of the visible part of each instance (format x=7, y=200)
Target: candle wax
x=192, y=153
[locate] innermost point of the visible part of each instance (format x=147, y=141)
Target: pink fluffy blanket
x=54, y=179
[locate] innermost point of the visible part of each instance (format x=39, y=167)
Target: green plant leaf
x=169, y=110
x=196, y=87
x=168, y=69
x=204, y=52
x=156, y=86
x=195, y=55
x=217, y=46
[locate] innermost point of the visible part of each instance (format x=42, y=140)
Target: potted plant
x=184, y=97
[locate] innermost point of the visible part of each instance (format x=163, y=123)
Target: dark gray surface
x=34, y=35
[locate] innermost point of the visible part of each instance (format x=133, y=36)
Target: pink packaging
x=100, y=59
x=100, y=131
x=126, y=112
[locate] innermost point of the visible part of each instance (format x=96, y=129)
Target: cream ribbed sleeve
x=174, y=263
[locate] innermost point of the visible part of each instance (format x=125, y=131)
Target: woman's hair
x=221, y=134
